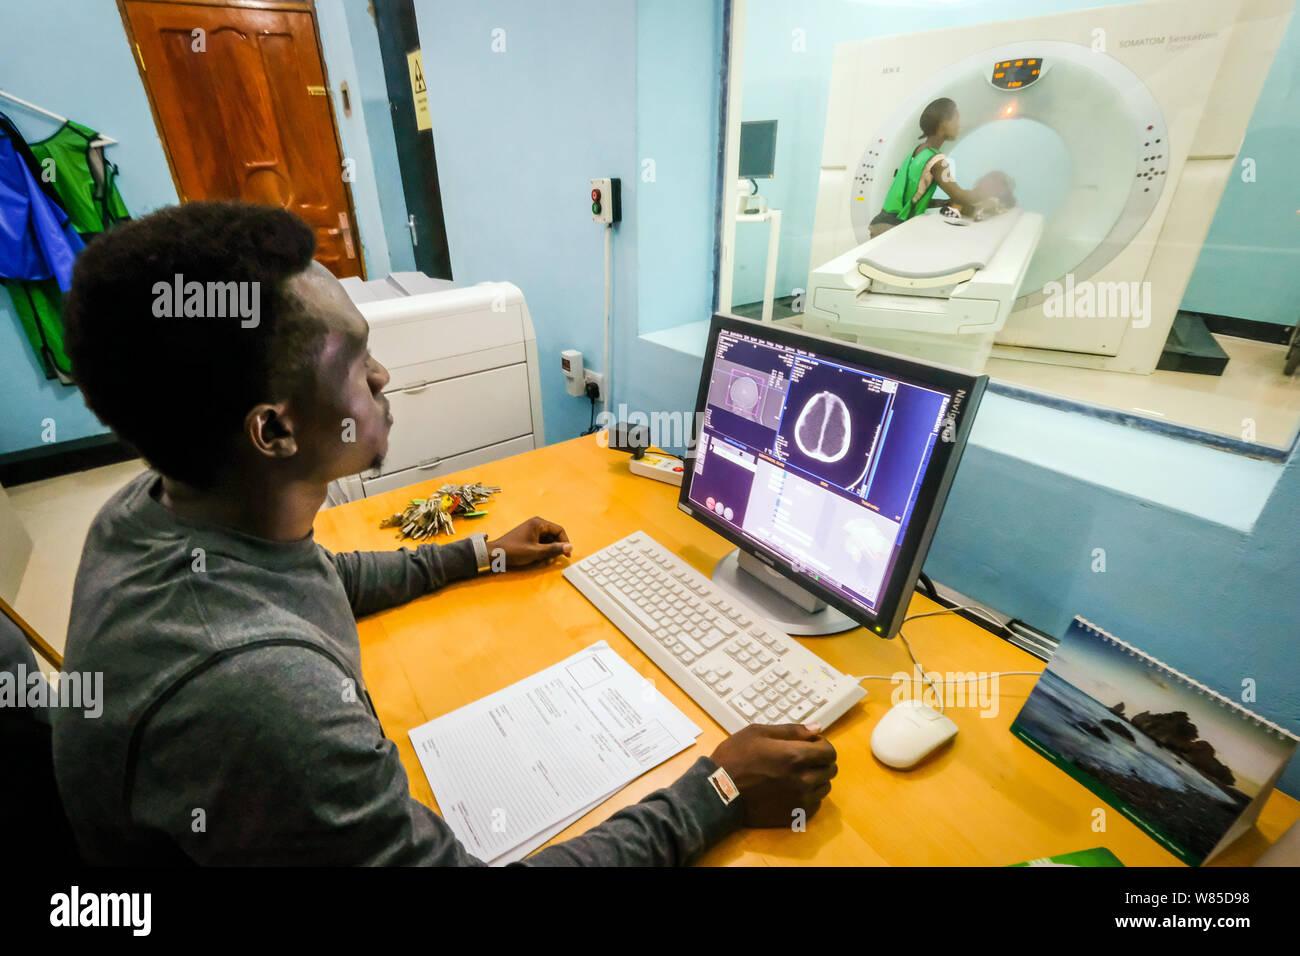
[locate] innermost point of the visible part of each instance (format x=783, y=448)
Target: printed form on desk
x=515, y=768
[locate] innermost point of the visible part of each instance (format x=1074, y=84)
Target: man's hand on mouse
x=535, y=540
x=778, y=769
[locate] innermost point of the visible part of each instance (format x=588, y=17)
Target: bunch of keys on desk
x=426, y=517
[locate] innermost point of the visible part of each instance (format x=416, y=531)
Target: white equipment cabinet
x=464, y=385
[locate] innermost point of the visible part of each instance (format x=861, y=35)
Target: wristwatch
x=724, y=786
x=481, y=556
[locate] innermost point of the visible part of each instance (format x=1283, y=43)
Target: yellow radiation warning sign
x=419, y=92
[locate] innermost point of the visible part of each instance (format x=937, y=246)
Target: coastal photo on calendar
x=1187, y=765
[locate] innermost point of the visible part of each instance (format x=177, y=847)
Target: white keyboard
x=732, y=662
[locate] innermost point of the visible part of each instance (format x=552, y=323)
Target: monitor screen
x=758, y=149
x=828, y=461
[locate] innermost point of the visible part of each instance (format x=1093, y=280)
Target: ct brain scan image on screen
x=817, y=460
x=744, y=394
x=824, y=428
x=832, y=417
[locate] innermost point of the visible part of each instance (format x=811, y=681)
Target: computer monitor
x=757, y=149
x=827, y=465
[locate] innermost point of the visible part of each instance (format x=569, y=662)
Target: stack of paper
x=515, y=768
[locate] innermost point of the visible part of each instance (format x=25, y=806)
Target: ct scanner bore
x=1021, y=148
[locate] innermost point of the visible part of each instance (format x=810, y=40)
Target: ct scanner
x=1150, y=101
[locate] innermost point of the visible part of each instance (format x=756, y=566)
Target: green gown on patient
x=899, y=198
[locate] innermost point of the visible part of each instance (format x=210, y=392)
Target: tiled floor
x=57, y=513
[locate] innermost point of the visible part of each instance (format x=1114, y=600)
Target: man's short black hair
x=175, y=386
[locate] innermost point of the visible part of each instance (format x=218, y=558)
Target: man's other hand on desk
x=533, y=541
x=778, y=770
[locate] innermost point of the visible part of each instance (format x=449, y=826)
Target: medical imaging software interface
x=818, y=461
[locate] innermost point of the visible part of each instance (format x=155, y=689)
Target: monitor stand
x=777, y=598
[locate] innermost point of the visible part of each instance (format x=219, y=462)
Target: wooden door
x=242, y=107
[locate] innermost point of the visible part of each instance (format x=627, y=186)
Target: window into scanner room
x=1122, y=230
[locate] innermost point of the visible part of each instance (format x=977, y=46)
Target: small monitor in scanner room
x=828, y=462
x=758, y=149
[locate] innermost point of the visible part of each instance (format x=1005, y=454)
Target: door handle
x=410, y=224
x=429, y=463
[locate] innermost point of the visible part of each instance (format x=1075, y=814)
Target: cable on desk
x=1013, y=631
x=925, y=674
x=1004, y=629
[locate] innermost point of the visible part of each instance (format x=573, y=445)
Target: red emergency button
x=595, y=195
x=678, y=468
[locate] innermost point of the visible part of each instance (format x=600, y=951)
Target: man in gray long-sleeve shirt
x=236, y=726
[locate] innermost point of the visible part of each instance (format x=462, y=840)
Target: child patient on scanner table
x=927, y=169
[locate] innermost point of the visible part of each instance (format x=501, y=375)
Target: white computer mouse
x=908, y=733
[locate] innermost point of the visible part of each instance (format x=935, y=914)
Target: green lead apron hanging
x=86, y=185
x=85, y=181
x=39, y=306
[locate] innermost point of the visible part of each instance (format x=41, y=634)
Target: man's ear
x=270, y=429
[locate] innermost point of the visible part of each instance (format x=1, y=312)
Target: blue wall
x=519, y=133
x=679, y=79
x=372, y=97
x=517, y=145
x=1218, y=604
x=1256, y=231
x=341, y=67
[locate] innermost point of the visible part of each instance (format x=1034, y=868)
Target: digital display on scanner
x=1016, y=74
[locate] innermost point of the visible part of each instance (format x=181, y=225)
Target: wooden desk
x=986, y=800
